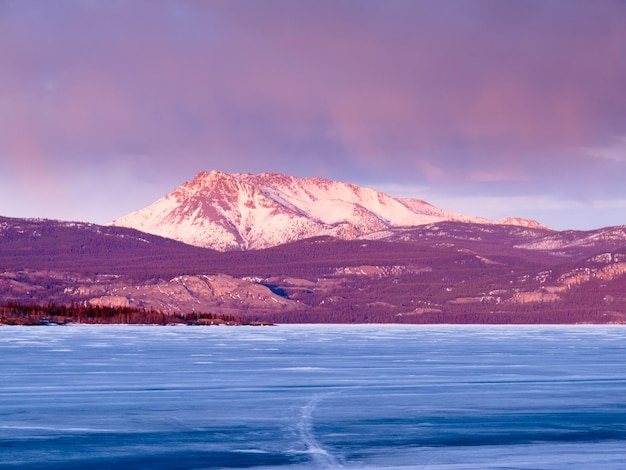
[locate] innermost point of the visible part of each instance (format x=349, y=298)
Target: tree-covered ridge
x=34, y=314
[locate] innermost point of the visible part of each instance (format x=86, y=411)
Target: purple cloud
x=479, y=98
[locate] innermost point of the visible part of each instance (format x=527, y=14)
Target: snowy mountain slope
x=569, y=239
x=242, y=211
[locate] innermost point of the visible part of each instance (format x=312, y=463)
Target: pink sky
x=492, y=108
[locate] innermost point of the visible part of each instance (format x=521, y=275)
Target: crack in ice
x=320, y=456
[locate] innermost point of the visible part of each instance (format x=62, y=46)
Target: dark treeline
x=34, y=314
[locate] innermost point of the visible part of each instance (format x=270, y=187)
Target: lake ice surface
x=313, y=396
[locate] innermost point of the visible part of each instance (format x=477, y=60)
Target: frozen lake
x=304, y=397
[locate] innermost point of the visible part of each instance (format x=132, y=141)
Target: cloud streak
x=478, y=98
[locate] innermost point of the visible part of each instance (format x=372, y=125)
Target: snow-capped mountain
x=242, y=211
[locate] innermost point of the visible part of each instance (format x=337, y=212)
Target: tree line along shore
x=51, y=314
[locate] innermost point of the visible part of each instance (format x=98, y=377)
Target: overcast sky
x=488, y=107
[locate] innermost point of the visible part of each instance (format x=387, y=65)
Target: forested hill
x=449, y=272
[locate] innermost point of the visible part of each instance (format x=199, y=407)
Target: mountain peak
x=205, y=178
x=232, y=211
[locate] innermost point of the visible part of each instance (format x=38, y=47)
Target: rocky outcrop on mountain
x=196, y=294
